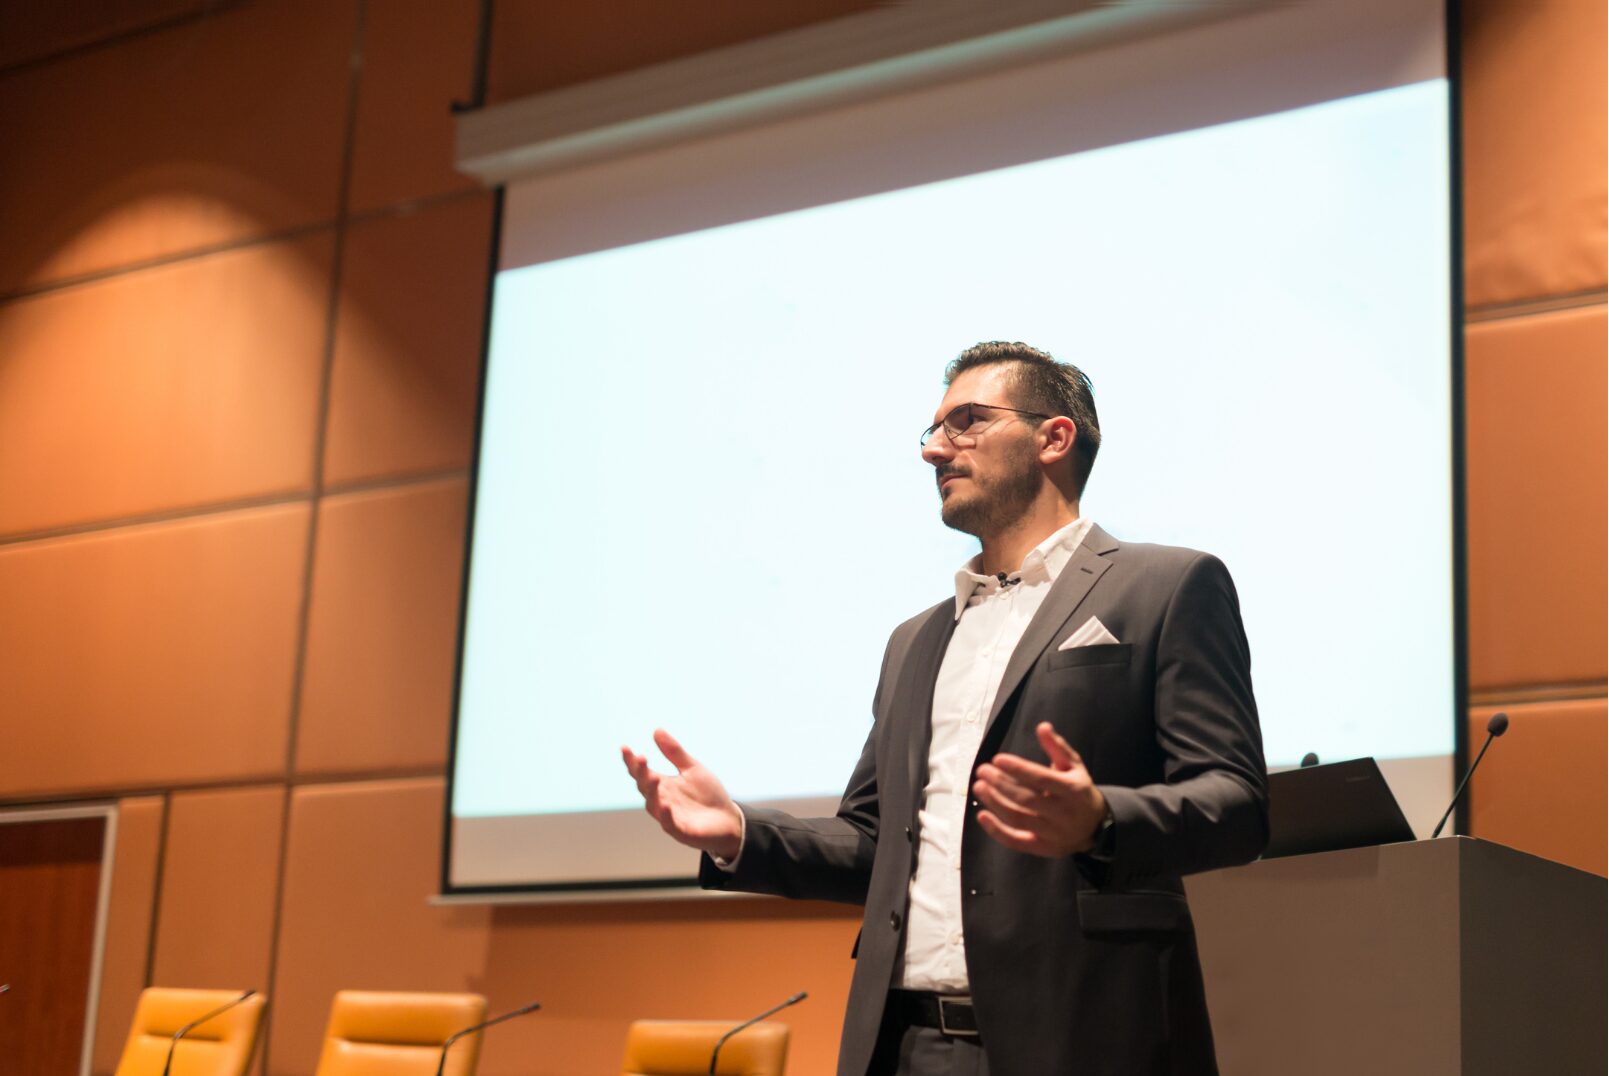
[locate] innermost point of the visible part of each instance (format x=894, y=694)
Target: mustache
x=945, y=470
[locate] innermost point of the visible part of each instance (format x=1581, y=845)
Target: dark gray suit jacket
x=1076, y=966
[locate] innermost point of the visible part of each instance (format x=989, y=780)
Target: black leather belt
x=950, y=1013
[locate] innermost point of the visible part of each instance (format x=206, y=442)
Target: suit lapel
x=917, y=681
x=1087, y=564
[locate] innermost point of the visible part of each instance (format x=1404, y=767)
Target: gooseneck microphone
x=1494, y=728
x=167, y=1065
x=715, y=1055
x=441, y=1062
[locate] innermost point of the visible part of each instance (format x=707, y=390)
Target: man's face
x=988, y=482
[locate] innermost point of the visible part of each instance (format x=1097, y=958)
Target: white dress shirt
x=991, y=618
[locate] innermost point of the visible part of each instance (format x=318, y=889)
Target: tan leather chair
x=373, y=1033
x=223, y=1046
x=682, y=1048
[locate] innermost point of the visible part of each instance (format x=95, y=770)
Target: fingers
x=673, y=751
x=1018, y=840
x=1006, y=786
x=1059, y=751
x=1040, y=779
x=1013, y=812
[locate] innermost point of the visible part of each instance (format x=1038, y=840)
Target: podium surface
x=1453, y=957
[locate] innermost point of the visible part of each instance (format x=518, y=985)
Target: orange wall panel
x=418, y=59
x=361, y=864
x=383, y=631
x=129, y=922
x=30, y=33
x=209, y=132
x=407, y=348
x=1541, y=787
x=596, y=968
x=1536, y=472
x=190, y=384
x=539, y=46
x=150, y=656
x=220, y=876
x=1533, y=148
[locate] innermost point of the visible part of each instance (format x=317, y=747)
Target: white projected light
x=700, y=503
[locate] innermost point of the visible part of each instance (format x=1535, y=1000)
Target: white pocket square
x=1093, y=633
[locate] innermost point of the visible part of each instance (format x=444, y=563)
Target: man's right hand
x=691, y=806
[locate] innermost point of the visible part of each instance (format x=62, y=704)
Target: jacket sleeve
x=808, y=858
x=813, y=858
x=1212, y=808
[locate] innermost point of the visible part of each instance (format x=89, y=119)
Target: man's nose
x=938, y=448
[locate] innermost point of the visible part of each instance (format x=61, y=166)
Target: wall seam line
x=304, y=780
x=332, y=316
x=117, y=38
x=405, y=208
x=220, y=508
x=156, y=887
x=1543, y=304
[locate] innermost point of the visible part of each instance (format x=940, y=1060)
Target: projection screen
x=698, y=499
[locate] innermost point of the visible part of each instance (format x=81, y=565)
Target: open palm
x=690, y=805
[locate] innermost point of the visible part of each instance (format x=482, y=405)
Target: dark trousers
x=903, y=1050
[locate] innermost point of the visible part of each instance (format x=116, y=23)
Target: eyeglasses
x=965, y=423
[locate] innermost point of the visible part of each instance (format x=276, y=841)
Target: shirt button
x=893, y=920
x=956, y=862
x=955, y=939
x=985, y=652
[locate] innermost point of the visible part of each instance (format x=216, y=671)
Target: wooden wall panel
x=540, y=46
x=152, y=656
x=1537, y=477
x=1542, y=788
x=361, y=864
x=185, y=385
x=383, y=632
x=30, y=33
x=219, y=880
x=213, y=131
x=596, y=968
x=407, y=350
x=129, y=921
x=418, y=59
x=1534, y=147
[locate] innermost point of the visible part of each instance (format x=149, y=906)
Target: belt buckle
x=944, y=1022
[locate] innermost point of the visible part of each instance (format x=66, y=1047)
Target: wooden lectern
x=1453, y=957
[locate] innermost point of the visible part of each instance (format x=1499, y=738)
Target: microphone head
x=1309, y=759
x=1498, y=724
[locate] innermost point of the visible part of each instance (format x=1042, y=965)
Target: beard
x=994, y=506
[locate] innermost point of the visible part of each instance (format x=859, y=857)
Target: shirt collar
x=1043, y=563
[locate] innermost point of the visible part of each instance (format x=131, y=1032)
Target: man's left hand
x=1042, y=810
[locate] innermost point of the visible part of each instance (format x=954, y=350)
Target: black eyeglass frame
x=945, y=424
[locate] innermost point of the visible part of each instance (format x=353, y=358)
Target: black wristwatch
x=1105, y=845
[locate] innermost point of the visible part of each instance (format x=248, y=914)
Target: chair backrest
x=376, y=1033
x=222, y=1046
x=683, y=1047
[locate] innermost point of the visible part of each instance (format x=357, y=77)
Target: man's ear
x=1057, y=437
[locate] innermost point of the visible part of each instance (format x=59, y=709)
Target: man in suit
x=1053, y=747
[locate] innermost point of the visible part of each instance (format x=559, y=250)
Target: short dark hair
x=1040, y=383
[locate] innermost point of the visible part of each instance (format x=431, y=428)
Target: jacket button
x=893, y=920
x=907, y=834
